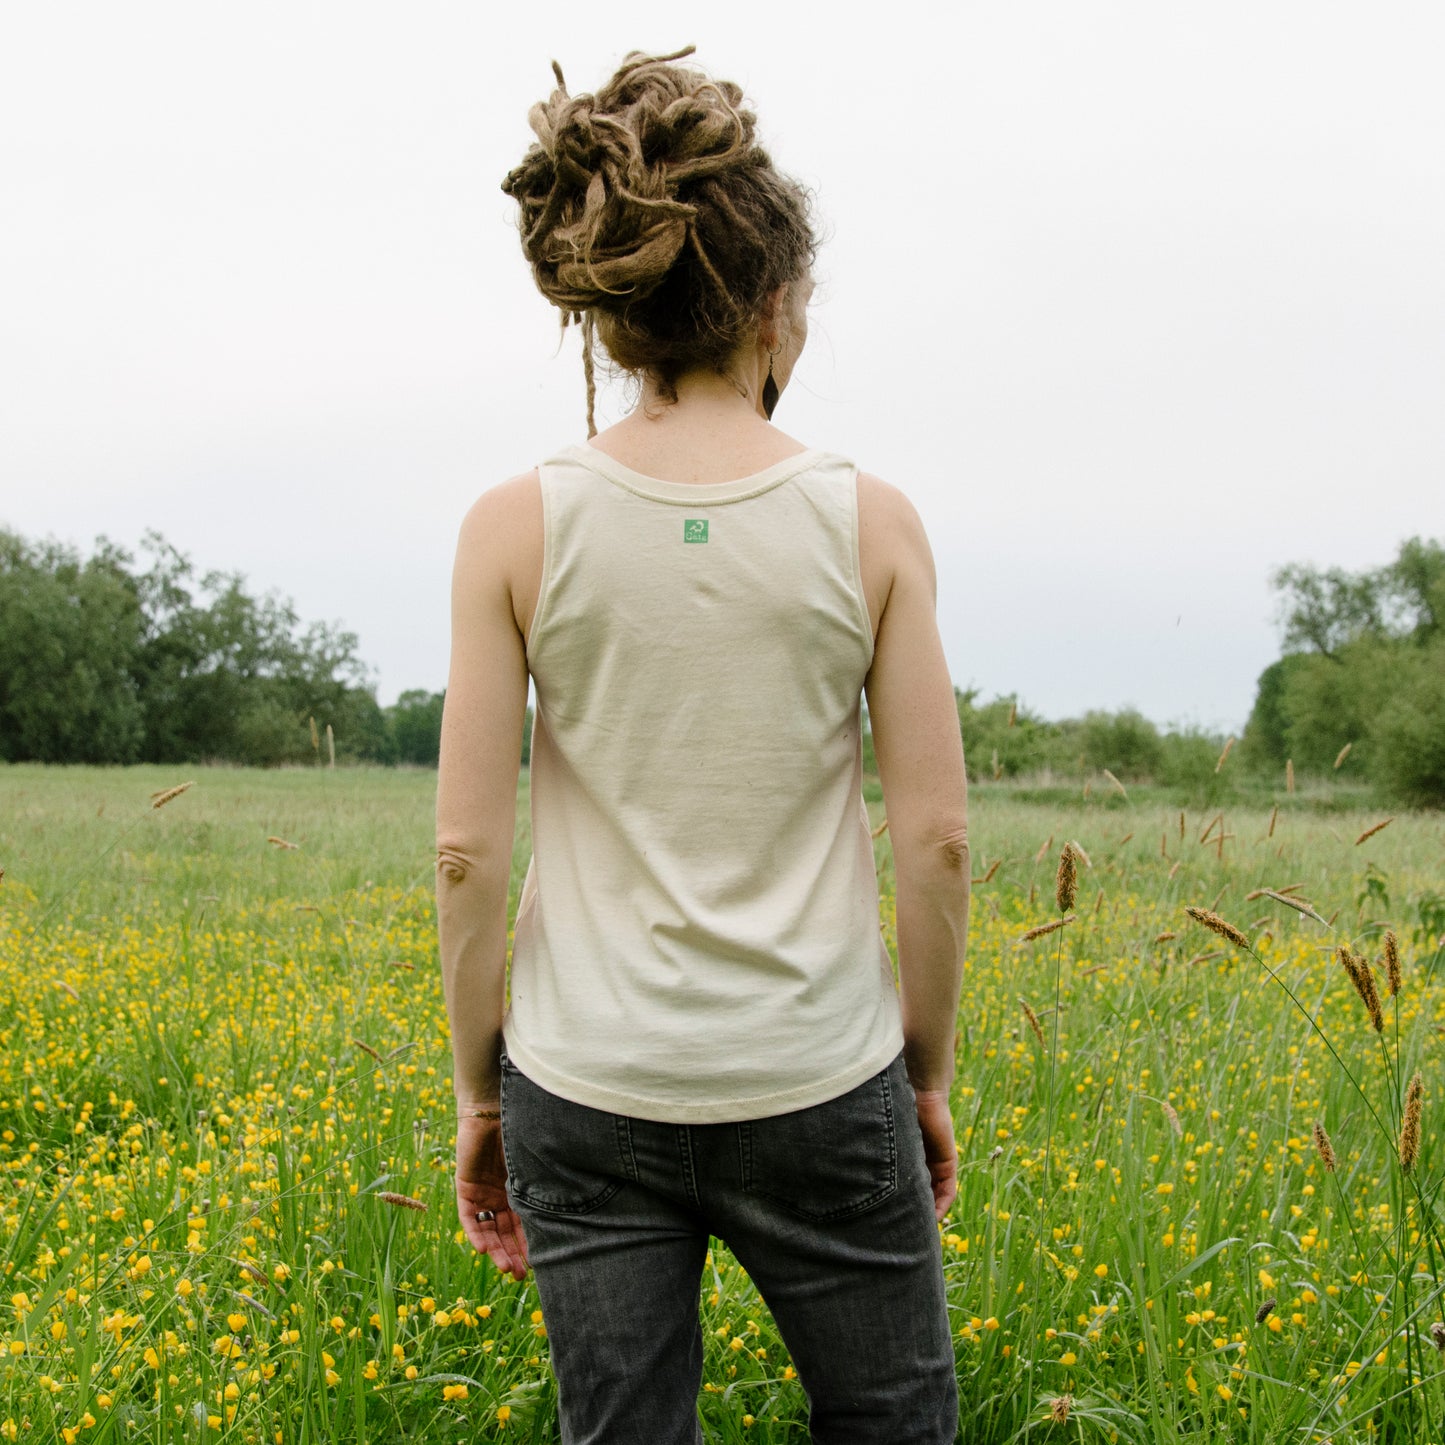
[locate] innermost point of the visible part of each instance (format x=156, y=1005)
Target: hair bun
x=650, y=213
x=602, y=217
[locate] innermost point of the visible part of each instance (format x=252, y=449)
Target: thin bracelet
x=481, y=1114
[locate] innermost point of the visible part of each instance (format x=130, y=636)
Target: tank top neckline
x=680, y=493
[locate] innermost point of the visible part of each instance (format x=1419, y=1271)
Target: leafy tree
x=227, y=674
x=1409, y=731
x=1415, y=583
x=101, y=662
x=360, y=726
x=1331, y=702
x=1265, y=745
x=69, y=632
x=1364, y=664
x=414, y=721
x=1322, y=611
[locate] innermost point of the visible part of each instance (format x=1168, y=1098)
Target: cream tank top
x=698, y=938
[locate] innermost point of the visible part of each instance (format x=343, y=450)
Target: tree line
x=116, y=658
x=1364, y=669
x=1358, y=694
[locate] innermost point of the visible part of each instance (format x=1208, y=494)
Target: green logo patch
x=694, y=529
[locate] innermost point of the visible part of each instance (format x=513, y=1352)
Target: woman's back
x=704, y=1035
x=698, y=936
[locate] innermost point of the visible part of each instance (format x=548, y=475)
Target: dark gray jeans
x=830, y=1211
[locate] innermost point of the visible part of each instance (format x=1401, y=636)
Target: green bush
x=1125, y=742
x=1408, y=736
x=1002, y=738
x=1190, y=769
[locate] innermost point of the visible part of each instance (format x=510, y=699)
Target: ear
x=774, y=309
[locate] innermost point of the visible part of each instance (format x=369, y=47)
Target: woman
x=704, y=1036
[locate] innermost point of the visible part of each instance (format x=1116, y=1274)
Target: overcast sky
x=1136, y=301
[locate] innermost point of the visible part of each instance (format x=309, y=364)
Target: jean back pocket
x=562, y=1157
x=828, y=1161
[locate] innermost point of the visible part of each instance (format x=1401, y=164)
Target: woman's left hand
x=482, y=1184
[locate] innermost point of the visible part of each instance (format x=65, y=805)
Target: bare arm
x=481, y=748
x=920, y=763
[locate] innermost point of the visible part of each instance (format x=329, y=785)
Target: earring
x=770, y=387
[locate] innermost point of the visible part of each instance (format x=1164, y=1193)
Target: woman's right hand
x=940, y=1149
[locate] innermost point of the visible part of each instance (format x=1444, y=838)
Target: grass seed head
x=1298, y=904
x=1059, y=1408
x=1363, y=978
x=1392, y=961
x=251, y=1273
x=1370, y=832
x=1343, y=754
x=1289, y=775
x=1410, y=1129
x=253, y=1303
x=1033, y=1019
x=1265, y=1310
x=1044, y=928
x=1066, y=881
x=1215, y=924
x=160, y=799
x=401, y=1201
x=1324, y=1148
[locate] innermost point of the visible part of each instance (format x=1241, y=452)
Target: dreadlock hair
x=651, y=216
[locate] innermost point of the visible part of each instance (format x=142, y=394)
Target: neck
x=706, y=395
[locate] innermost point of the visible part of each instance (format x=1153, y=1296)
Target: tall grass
x=225, y=1148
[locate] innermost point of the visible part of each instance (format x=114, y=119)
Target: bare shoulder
x=504, y=514
x=885, y=511
x=892, y=545
x=500, y=546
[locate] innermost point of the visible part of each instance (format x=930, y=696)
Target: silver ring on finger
x=485, y=1216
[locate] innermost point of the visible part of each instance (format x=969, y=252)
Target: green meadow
x=1199, y=1195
